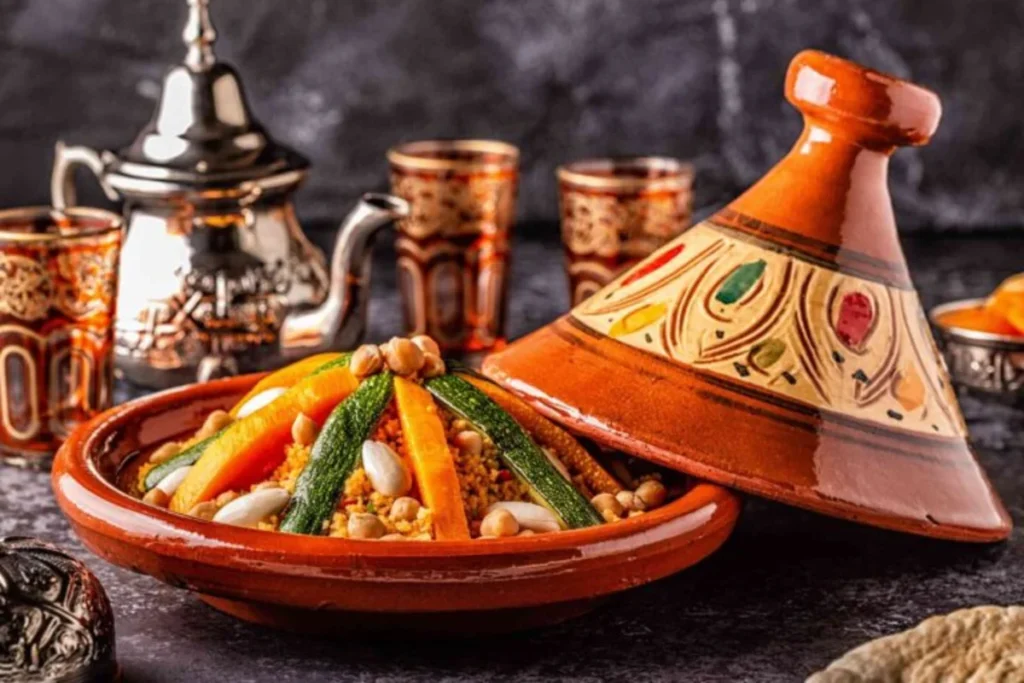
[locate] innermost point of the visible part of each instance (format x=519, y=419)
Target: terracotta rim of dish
x=83, y=223
x=968, y=335
x=89, y=499
x=483, y=155
x=612, y=174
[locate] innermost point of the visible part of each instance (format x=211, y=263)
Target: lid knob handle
x=199, y=36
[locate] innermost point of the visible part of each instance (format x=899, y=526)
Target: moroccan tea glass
x=58, y=278
x=453, y=248
x=615, y=212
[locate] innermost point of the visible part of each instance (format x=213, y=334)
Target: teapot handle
x=62, y=180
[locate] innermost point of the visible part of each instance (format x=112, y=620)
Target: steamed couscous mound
x=385, y=444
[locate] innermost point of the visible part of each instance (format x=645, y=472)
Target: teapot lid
x=203, y=131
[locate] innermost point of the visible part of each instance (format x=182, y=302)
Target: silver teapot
x=216, y=276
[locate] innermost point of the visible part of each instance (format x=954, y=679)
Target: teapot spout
x=340, y=321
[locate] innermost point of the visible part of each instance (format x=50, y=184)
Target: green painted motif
x=765, y=354
x=740, y=282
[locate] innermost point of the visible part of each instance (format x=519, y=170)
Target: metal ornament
x=216, y=275
x=56, y=624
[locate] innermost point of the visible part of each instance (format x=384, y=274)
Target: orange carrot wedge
x=251, y=448
x=432, y=462
x=287, y=376
x=547, y=433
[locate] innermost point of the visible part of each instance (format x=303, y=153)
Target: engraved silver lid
x=203, y=131
x=55, y=620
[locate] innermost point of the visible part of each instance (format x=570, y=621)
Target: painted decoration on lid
x=726, y=303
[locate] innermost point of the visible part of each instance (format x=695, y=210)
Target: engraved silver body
x=992, y=364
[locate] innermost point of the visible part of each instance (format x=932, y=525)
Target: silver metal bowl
x=981, y=362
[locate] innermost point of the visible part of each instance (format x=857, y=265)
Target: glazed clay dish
x=377, y=483
x=779, y=347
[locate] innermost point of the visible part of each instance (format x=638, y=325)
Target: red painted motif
x=856, y=319
x=648, y=268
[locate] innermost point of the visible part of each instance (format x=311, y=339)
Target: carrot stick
x=432, y=462
x=251, y=448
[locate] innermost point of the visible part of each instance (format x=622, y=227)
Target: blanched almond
x=385, y=470
x=172, y=481
x=529, y=515
x=260, y=400
x=252, y=508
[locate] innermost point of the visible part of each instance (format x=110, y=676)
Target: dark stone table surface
x=789, y=592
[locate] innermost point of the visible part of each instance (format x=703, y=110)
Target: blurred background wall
x=342, y=80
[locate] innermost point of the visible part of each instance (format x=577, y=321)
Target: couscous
x=386, y=444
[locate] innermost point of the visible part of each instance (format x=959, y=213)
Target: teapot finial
x=199, y=36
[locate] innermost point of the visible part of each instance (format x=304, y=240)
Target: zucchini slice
x=335, y=454
x=191, y=455
x=187, y=457
x=516, y=449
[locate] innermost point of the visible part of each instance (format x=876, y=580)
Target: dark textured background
x=343, y=80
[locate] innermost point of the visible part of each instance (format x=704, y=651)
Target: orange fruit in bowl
x=1007, y=302
x=980, y=319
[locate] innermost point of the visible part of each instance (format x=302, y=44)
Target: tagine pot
x=779, y=347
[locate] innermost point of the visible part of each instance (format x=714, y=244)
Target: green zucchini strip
x=516, y=449
x=186, y=458
x=191, y=455
x=334, y=456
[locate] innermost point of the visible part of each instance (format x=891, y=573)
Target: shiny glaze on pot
x=779, y=346
x=320, y=584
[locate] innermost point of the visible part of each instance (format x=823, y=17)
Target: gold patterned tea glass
x=453, y=248
x=616, y=212
x=58, y=278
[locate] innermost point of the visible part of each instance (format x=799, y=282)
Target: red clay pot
x=779, y=347
x=320, y=584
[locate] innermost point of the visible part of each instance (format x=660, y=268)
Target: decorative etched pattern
x=606, y=232
x=448, y=205
x=726, y=304
x=55, y=620
x=451, y=254
x=26, y=288
x=993, y=369
x=56, y=308
x=606, y=225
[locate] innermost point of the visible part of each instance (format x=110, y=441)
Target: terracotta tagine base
x=332, y=585
x=779, y=347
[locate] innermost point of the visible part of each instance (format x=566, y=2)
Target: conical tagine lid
x=779, y=347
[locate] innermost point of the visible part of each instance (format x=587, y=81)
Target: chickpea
x=156, y=498
x=165, y=453
x=392, y=537
x=433, y=365
x=499, y=523
x=610, y=516
x=204, y=510
x=364, y=525
x=607, y=505
x=629, y=502
x=402, y=356
x=469, y=442
x=215, y=421
x=404, y=509
x=304, y=430
x=366, y=361
x=652, y=492
x=225, y=498
x=426, y=344
x=527, y=532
